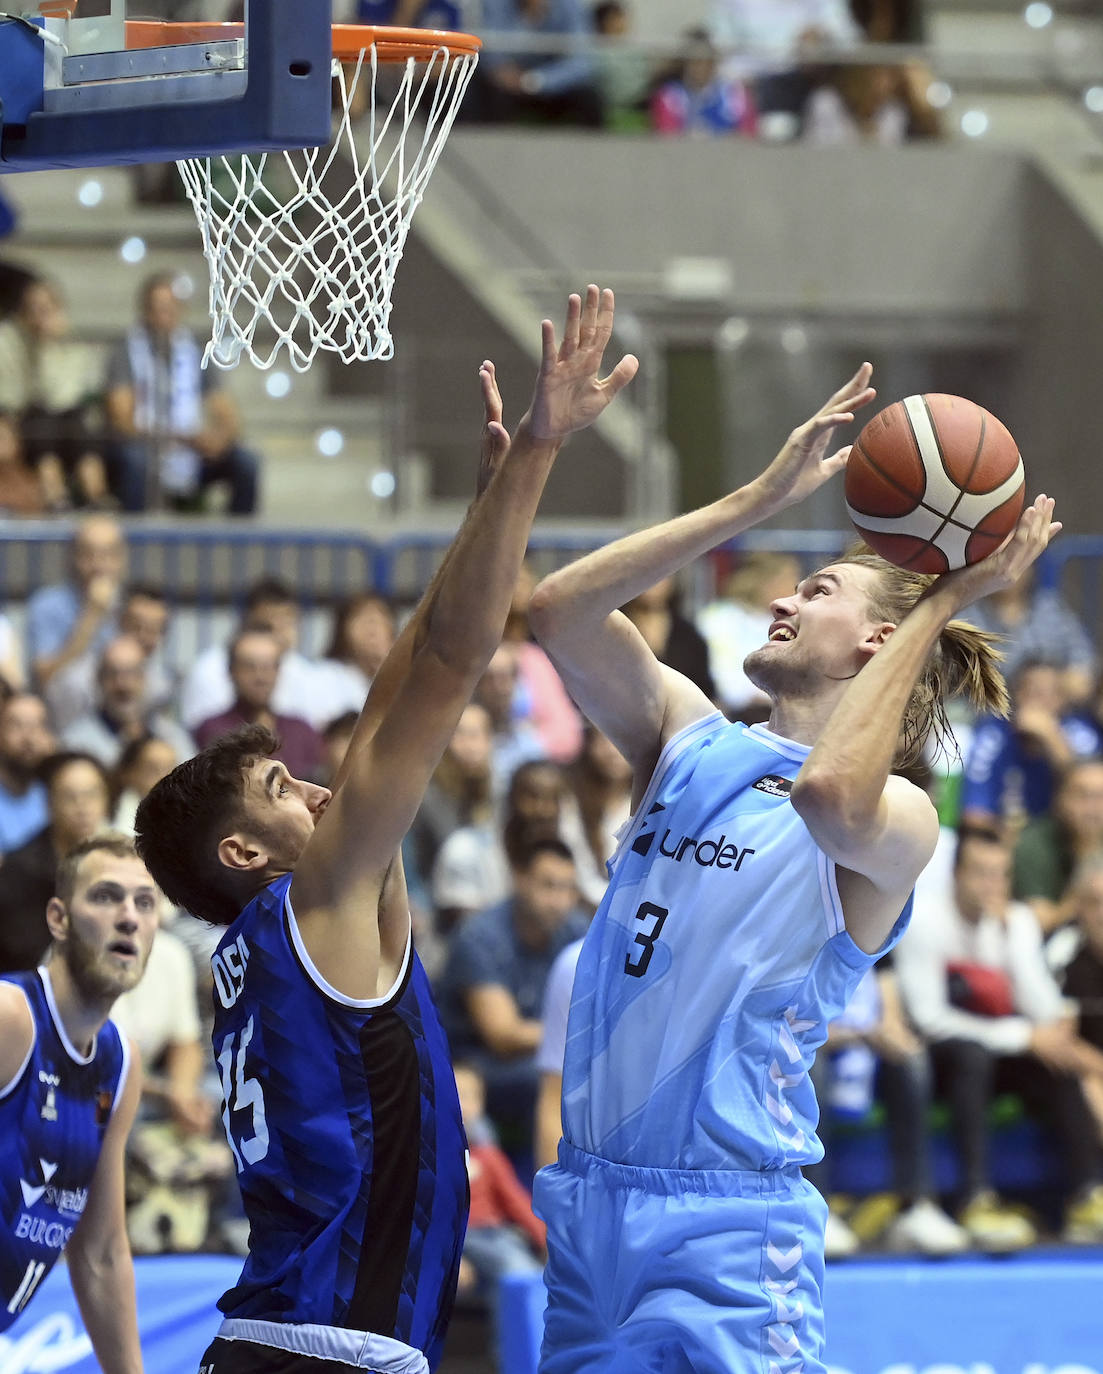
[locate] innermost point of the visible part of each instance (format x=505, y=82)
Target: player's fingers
x=604, y=325
x=621, y=375
x=838, y=460
x=859, y=382
x=548, y=344
x=571, y=325
x=587, y=325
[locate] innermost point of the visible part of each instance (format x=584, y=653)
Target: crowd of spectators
x=134, y=427
x=996, y=989
x=775, y=69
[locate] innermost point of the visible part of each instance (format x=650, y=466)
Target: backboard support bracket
x=79, y=104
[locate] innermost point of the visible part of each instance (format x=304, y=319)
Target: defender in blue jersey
x=68, y=1095
x=762, y=872
x=340, y=1103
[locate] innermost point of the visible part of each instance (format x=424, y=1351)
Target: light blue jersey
x=682, y=1237
x=712, y=969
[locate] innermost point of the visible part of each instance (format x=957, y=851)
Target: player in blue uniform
x=340, y=1104
x=68, y=1094
x=763, y=870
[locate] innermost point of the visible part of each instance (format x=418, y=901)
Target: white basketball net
x=308, y=263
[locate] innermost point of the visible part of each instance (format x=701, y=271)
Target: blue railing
x=207, y=569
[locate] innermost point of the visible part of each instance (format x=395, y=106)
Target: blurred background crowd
x=963, y=1092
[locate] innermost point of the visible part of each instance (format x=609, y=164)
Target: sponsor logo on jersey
x=774, y=784
x=104, y=1102
x=51, y=1234
x=49, y=1107
x=707, y=852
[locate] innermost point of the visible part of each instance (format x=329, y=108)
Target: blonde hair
x=965, y=661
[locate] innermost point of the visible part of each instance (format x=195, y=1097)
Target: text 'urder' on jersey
x=709, y=853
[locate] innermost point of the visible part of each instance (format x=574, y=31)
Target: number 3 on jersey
x=653, y=917
x=240, y=1094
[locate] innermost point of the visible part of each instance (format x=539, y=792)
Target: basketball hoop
x=303, y=248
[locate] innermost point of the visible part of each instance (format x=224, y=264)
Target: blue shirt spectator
x=1013, y=765
x=541, y=74
x=70, y=620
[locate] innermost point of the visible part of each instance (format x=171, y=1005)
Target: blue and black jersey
x=344, y=1122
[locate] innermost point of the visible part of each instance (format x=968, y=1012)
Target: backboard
x=100, y=89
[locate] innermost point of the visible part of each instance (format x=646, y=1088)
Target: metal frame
x=269, y=91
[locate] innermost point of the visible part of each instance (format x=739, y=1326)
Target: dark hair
x=975, y=833
x=604, y=11
x=524, y=772
x=156, y=282
x=531, y=847
x=181, y=820
x=340, y=725
x=50, y=767
x=109, y=842
x=338, y=646
x=268, y=590
x=147, y=590
x=964, y=662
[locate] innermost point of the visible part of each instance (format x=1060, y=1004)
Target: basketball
x=934, y=482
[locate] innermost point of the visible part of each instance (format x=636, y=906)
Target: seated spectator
x=67, y=620
x=143, y=762
x=1082, y=979
x=207, y=689
x=254, y=669
x=739, y=621
x=871, y=1052
x=503, y=1236
x=672, y=638
x=601, y=780
x=177, y=1165
x=550, y=1055
x=120, y=711
x=514, y=737
x=854, y=103
x=472, y=868
x=21, y=489
x=336, y=738
x=77, y=798
x=26, y=741
x=1038, y=626
x=975, y=985
x=411, y=14
x=890, y=21
x=49, y=381
x=513, y=86
x=772, y=40
x=459, y=792
x=174, y=429
x=1013, y=765
x=623, y=73
x=699, y=98
x=539, y=695
x=363, y=632
x=492, y=987
x=1053, y=845
x=144, y=615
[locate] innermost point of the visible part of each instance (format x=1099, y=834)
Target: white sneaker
x=839, y=1240
x=926, y=1227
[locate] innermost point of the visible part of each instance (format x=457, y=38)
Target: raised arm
x=340, y=874
x=878, y=828
x=607, y=667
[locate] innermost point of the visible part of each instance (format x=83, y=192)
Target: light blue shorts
x=657, y=1271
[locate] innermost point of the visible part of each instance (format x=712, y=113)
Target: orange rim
x=349, y=40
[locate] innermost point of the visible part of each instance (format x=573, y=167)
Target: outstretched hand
x=801, y=467
x=495, y=444
x=1002, y=569
x=569, y=392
